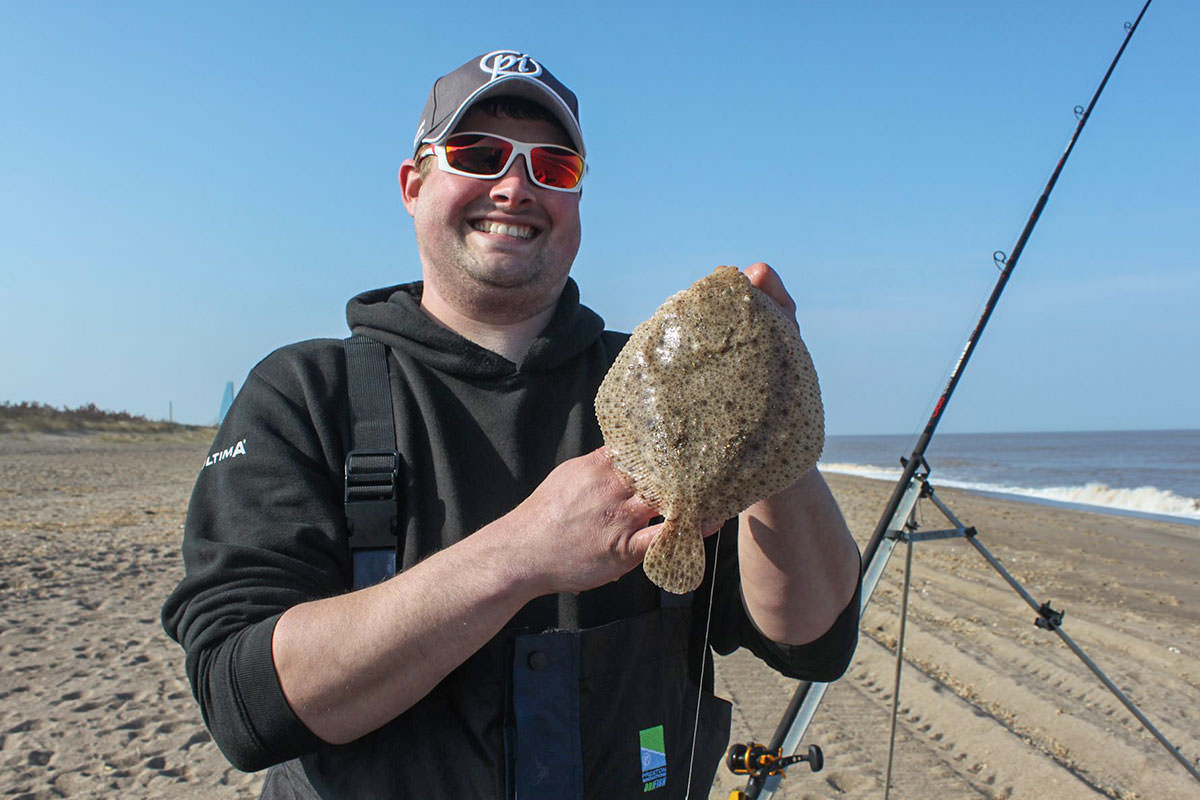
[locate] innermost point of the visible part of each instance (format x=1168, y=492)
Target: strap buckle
x=371, y=497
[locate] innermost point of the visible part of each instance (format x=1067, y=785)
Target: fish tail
x=675, y=559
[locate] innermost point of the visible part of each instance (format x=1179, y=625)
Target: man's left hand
x=767, y=280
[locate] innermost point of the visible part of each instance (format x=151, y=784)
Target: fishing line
x=712, y=592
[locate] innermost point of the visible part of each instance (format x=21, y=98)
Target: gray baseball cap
x=500, y=72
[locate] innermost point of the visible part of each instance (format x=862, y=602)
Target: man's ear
x=410, y=184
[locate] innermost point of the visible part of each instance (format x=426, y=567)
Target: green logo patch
x=654, y=758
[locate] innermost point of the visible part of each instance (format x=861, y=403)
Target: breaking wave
x=1142, y=500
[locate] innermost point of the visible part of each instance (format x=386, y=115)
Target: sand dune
x=95, y=703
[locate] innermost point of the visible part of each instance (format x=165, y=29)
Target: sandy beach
x=95, y=702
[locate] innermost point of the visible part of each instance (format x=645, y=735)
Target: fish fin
x=675, y=559
x=625, y=449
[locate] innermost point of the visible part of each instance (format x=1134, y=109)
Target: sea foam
x=1142, y=500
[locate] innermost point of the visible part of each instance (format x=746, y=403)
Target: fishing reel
x=759, y=761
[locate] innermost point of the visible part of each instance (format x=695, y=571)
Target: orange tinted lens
x=557, y=167
x=478, y=155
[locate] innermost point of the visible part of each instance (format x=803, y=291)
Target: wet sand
x=95, y=703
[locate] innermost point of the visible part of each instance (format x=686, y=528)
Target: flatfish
x=712, y=405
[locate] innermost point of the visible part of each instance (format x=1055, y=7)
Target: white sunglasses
x=488, y=156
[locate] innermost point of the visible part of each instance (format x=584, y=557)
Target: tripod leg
x=1050, y=620
x=887, y=786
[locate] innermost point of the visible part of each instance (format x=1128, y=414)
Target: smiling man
x=481, y=628
x=496, y=253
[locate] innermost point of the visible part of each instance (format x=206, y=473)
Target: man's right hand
x=581, y=528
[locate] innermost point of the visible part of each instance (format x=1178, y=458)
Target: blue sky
x=184, y=188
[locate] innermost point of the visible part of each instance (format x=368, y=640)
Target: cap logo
x=502, y=63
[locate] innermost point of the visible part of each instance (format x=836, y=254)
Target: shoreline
x=1025, y=496
x=96, y=703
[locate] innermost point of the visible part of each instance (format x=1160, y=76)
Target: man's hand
x=581, y=528
x=767, y=280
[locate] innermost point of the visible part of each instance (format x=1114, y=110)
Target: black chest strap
x=373, y=464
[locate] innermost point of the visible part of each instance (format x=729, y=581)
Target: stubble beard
x=504, y=291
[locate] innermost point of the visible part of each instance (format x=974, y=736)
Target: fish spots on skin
x=709, y=435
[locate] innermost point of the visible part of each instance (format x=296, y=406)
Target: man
x=518, y=651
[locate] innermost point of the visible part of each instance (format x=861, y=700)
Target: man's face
x=503, y=245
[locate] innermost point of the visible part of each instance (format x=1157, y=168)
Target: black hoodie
x=266, y=528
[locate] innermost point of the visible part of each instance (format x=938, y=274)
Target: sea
x=1146, y=473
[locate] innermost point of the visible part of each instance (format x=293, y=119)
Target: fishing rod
x=766, y=769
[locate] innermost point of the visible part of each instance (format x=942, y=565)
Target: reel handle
x=760, y=761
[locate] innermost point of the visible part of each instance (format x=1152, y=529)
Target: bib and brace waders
x=604, y=712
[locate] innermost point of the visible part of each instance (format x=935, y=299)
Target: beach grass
x=30, y=418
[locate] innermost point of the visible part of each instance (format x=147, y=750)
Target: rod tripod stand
x=1047, y=617
x=903, y=527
